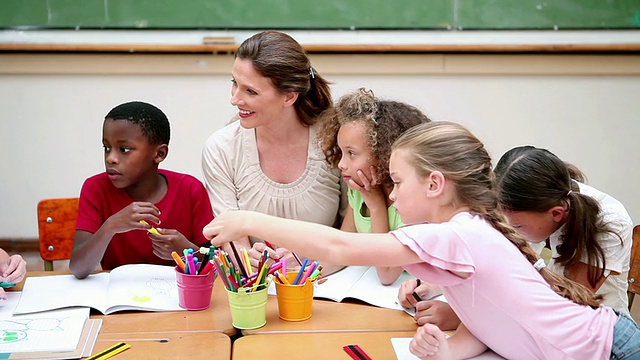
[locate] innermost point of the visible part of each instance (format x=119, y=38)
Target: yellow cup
x=294, y=301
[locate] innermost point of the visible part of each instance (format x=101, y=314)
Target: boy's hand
x=13, y=270
x=430, y=343
x=168, y=240
x=129, y=218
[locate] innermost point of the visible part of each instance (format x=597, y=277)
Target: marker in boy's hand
x=152, y=229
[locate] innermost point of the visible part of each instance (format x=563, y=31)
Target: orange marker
x=178, y=260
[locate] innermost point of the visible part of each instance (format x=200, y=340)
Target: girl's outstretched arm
x=321, y=242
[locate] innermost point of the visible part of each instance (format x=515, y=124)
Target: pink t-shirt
x=185, y=207
x=505, y=302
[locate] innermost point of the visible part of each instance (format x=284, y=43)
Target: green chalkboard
x=548, y=14
x=320, y=14
x=226, y=14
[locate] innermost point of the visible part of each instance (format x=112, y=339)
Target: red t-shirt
x=185, y=207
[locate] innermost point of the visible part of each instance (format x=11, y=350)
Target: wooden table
x=216, y=318
x=330, y=316
x=318, y=345
x=173, y=345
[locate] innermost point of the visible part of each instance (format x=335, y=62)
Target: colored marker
x=205, y=261
x=274, y=267
x=356, y=352
x=111, y=351
x=237, y=256
x=178, y=260
x=316, y=273
x=304, y=265
x=415, y=294
x=297, y=258
x=308, y=272
x=283, y=279
x=152, y=230
x=247, y=261
x=205, y=270
x=5, y=284
x=191, y=264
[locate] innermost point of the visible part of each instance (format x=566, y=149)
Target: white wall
x=583, y=108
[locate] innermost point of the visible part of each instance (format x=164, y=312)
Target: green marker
x=5, y=284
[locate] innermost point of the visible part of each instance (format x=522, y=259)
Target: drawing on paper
x=19, y=329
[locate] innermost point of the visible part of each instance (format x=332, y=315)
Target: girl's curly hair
x=384, y=121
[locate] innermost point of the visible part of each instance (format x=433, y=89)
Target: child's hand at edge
x=14, y=269
x=430, y=343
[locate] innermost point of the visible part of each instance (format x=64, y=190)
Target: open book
x=128, y=287
x=56, y=334
x=358, y=282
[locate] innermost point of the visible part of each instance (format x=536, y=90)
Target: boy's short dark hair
x=153, y=122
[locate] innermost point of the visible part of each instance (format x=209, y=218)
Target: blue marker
x=304, y=265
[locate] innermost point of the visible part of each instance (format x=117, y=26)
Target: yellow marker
x=282, y=278
x=247, y=262
x=111, y=351
x=152, y=230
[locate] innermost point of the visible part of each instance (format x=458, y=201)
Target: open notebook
x=141, y=287
x=56, y=334
x=358, y=282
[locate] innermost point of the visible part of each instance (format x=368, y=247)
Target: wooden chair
x=634, y=270
x=56, y=229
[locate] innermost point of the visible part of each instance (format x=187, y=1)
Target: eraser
x=218, y=40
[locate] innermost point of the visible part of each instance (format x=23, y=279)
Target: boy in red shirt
x=109, y=230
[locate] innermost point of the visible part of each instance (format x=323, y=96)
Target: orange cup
x=294, y=301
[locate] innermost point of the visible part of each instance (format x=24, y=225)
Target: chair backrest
x=56, y=229
x=634, y=270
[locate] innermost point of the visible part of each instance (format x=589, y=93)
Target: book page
x=48, y=331
x=369, y=289
x=143, y=287
x=42, y=293
x=337, y=285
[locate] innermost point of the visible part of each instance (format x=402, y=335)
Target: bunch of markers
x=309, y=273
x=189, y=264
x=240, y=274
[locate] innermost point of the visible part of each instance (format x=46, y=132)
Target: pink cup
x=194, y=291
